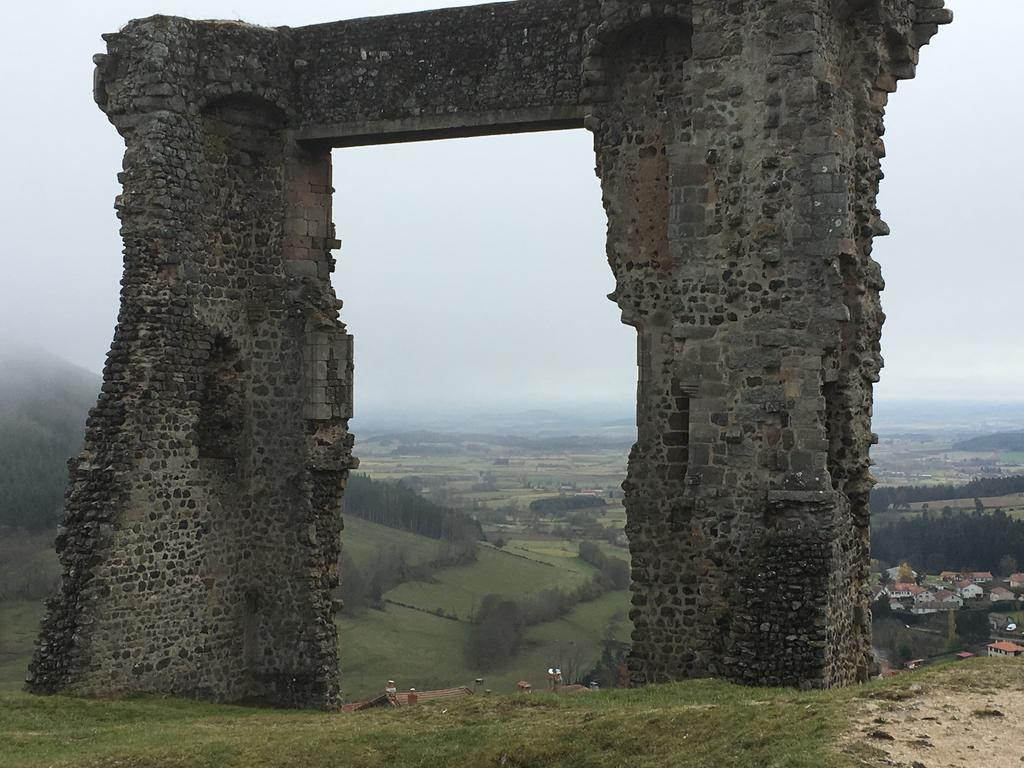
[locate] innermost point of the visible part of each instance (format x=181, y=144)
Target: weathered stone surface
x=738, y=145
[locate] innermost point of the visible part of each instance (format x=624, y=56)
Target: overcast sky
x=473, y=271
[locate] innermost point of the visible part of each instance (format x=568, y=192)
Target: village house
x=999, y=593
x=978, y=577
x=1005, y=648
x=902, y=590
x=894, y=573
x=934, y=602
x=1017, y=581
x=968, y=590
x=948, y=598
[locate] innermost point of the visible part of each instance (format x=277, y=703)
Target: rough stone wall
x=202, y=527
x=738, y=145
x=738, y=149
x=504, y=56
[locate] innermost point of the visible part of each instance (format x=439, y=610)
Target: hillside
x=1001, y=441
x=410, y=642
x=970, y=714
x=43, y=405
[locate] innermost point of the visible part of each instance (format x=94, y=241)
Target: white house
x=1017, y=581
x=968, y=590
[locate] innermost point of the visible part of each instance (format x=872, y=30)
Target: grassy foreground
x=699, y=723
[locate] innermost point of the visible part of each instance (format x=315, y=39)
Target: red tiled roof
x=1007, y=647
x=402, y=699
x=445, y=693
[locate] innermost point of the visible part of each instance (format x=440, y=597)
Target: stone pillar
x=737, y=147
x=202, y=527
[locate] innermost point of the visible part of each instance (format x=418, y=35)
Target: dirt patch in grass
x=950, y=720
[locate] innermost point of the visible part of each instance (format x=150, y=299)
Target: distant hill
x=44, y=402
x=885, y=498
x=1001, y=441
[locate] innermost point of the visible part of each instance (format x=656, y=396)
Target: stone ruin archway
x=738, y=145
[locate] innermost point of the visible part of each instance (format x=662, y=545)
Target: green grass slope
x=459, y=591
x=19, y=623
x=691, y=725
x=363, y=540
x=699, y=724
x=424, y=651
x=417, y=648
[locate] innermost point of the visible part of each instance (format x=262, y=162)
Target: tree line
x=559, y=506
x=883, y=499
x=952, y=540
x=395, y=505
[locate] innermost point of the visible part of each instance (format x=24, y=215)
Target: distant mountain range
x=44, y=402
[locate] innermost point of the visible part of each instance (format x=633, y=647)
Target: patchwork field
x=1013, y=503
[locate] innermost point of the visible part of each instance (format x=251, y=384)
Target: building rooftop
x=1006, y=647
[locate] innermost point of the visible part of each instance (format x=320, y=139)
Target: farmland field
x=457, y=591
x=414, y=645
